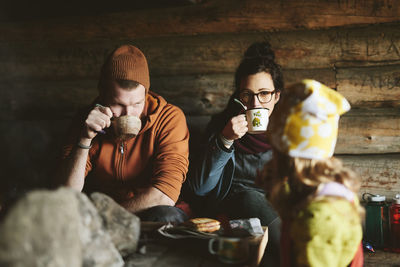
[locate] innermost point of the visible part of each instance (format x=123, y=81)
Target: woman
x=222, y=178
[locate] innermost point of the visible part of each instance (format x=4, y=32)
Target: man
x=144, y=174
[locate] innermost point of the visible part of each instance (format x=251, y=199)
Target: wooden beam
x=377, y=86
x=185, y=55
x=380, y=174
x=24, y=10
x=195, y=94
x=218, y=16
x=45, y=100
x=366, y=131
x=325, y=76
x=360, y=131
x=209, y=94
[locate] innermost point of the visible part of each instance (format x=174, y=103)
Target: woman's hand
x=235, y=128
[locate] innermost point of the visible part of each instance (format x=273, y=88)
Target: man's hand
x=98, y=119
x=235, y=128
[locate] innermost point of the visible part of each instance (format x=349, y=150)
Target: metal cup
x=231, y=250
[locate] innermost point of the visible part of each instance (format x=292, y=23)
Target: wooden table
x=192, y=254
x=160, y=251
x=155, y=250
x=173, y=254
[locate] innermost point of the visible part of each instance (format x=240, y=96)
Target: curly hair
x=259, y=57
x=302, y=177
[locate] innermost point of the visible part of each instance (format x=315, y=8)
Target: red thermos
x=394, y=215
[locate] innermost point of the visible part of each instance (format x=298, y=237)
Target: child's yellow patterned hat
x=305, y=121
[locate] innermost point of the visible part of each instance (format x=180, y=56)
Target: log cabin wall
x=49, y=69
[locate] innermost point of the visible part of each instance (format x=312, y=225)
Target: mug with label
x=257, y=120
x=230, y=249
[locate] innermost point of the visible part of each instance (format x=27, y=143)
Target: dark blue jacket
x=218, y=170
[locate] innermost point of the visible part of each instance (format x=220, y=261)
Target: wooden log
x=219, y=16
x=185, y=55
x=353, y=132
x=366, y=131
x=45, y=100
x=360, y=131
x=380, y=174
x=325, y=76
x=377, y=86
x=195, y=94
x=24, y=10
x=209, y=94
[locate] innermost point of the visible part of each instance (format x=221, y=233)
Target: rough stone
x=122, y=225
x=55, y=228
x=98, y=249
x=42, y=229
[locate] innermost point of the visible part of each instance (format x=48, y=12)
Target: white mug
x=257, y=120
x=230, y=249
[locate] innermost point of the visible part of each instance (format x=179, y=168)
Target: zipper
x=121, y=159
x=121, y=148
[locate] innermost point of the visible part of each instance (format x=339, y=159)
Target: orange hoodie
x=157, y=156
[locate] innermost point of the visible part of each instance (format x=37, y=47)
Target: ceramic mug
x=230, y=249
x=257, y=120
x=126, y=127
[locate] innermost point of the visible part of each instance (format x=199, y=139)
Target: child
x=314, y=194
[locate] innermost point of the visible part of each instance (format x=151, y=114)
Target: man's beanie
x=126, y=62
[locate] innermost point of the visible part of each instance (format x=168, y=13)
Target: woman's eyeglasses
x=263, y=97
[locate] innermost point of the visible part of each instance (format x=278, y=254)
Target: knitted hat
x=126, y=62
x=306, y=120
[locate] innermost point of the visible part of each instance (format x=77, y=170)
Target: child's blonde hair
x=301, y=177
